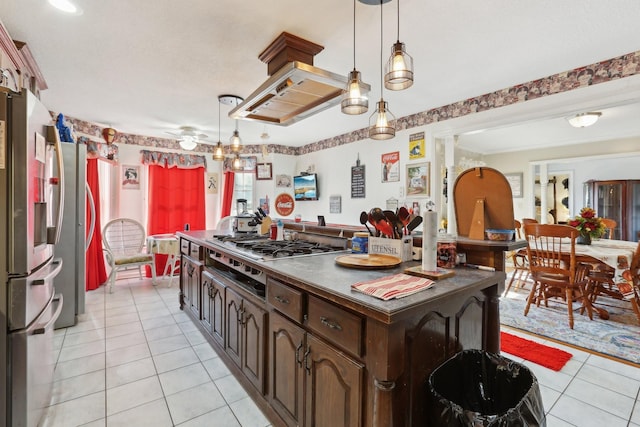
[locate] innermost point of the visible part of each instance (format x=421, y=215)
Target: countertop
x=321, y=275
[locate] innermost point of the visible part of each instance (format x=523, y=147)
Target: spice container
x=360, y=243
x=447, y=254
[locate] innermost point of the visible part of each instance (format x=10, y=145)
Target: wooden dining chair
x=520, y=263
x=551, y=252
x=610, y=228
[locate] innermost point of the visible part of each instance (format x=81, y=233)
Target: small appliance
x=244, y=222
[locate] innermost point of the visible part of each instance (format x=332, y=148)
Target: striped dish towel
x=396, y=286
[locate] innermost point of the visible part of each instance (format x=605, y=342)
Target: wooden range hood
x=295, y=89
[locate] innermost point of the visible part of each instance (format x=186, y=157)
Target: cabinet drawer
x=337, y=325
x=184, y=246
x=286, y=300
x=195, y=251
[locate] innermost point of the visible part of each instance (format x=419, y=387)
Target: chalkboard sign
x=357, y=182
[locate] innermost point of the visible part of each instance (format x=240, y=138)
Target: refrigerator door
x=31, y=179
x=71, y=282
x=33, y=363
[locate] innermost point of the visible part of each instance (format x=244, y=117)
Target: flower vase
x=583, y=239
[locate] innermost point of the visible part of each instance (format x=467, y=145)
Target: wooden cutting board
x=368, y=261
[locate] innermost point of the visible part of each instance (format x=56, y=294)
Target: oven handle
x=60, y=300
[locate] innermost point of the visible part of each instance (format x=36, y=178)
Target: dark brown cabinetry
x=312, y=383
x=618, y=200
x=245, y=337
x=213, y=303
x=190, y=270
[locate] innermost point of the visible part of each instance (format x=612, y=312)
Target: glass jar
x=447, y=253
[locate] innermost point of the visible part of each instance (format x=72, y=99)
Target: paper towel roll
x=430, y=241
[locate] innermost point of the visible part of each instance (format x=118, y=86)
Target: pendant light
x=379, y=122
x=237, y=163
x=399, y=70
x=218, y=151
x=354, y=100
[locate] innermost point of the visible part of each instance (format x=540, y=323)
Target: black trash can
x=477, y=388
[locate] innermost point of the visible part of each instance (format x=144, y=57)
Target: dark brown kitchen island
x=311, y=351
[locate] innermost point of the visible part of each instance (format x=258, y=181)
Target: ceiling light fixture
x=65, y=6
x=218, y=151
x=379, y=123
x=354, y=99
x=399, y=69
x=236, y=141
x=237, y=163
x=583, y=120
x=188, y=142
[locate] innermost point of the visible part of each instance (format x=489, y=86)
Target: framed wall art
x=390, y=166
x=416, y=146
x=130, y=177
x=418, y=179
x=212, y=183
x=515, y=181
x=263, y=171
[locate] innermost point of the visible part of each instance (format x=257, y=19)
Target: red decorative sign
x=284, y=204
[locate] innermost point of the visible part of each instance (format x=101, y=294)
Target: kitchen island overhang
x=393, y=344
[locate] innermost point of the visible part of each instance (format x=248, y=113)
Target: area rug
x=532, y=351
x=618, y=337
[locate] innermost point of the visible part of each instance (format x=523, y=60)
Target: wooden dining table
x=616, y=254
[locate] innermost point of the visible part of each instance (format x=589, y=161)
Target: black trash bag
x=477, y=388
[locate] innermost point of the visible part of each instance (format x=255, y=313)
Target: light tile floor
x=134, y=359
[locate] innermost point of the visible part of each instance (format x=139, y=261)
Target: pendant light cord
x=381, y=55
x=219, y=120
x=354, y=34
x=398, y=20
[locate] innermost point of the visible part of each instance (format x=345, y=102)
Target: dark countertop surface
x=320, y=274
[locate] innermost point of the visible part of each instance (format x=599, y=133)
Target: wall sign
x=357, y=182
x=284, y=204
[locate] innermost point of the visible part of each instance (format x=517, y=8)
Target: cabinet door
x=190, y=284
x=213, y=305
x=254, y=322
x=286, y=344
x=233, y=313
x=333, y=387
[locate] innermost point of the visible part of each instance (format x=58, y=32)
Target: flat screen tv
x=305, y=187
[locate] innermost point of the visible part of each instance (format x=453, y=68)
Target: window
x=243, y=188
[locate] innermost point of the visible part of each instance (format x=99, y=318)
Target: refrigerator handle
x=60, y=302
x=92, y=210
x=53, y=233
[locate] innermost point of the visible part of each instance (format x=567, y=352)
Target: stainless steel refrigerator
x=77, y=232
x=31, y=203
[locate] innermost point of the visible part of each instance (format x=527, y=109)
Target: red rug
x=544, y=355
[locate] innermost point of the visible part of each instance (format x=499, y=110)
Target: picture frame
x=418, y=179
x=515, y=182
x=283, y=181
x=264, y=171
x=212, y=182
x=390, y=166
x=130, y=177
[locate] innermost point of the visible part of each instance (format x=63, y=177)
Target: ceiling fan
x=188, y=137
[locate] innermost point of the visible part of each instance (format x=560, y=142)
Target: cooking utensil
x=262, y=212
x=404, y=216
x=363, y=220
x=380, y=222
x=395, y=223
x=416, y=221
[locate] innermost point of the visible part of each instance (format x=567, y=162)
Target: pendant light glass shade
x=354, y=99
x=236, y=142
x=218, y=152
x=237, y=163
x=584, y=119
x=399, y=69
x=379, y=122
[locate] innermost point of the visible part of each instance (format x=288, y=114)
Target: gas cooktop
x=261, y=247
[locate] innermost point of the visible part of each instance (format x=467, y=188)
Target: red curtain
x=96, y=271
x=227, y=194
x=176, y=198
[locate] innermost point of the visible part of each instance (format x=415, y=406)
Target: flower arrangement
x=588, y=224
